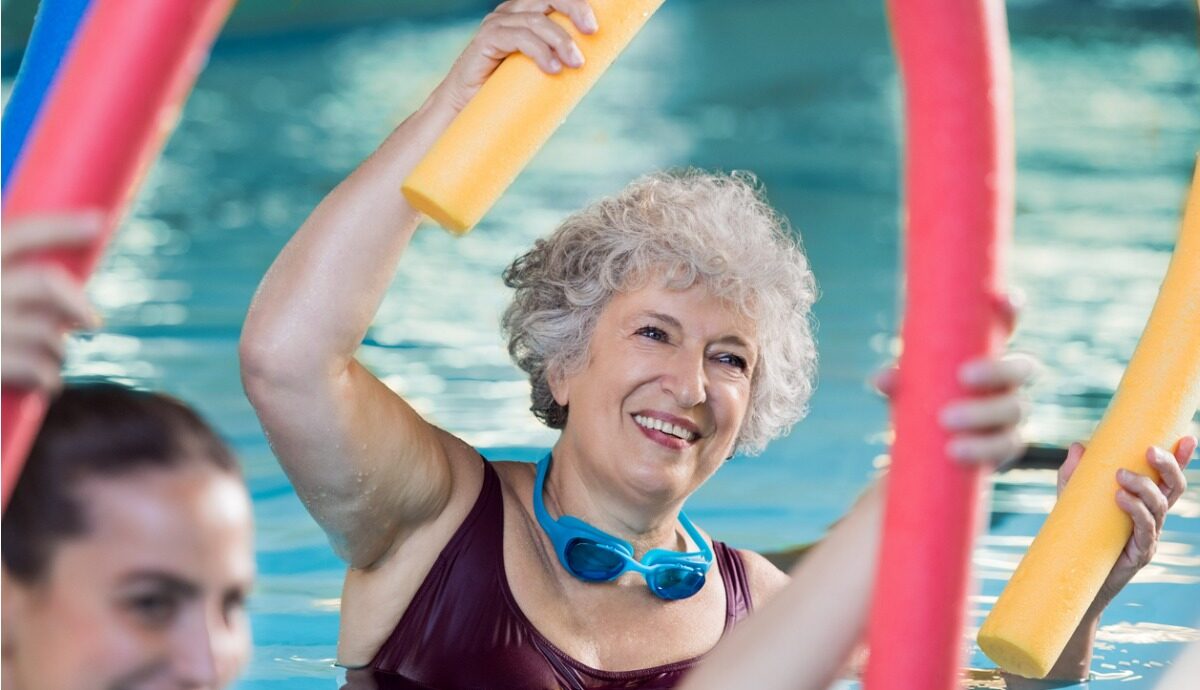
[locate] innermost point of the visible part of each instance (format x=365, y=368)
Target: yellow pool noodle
x=511, y=117
x=1059, y=577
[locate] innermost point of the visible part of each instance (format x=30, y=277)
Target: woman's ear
x=559, y=385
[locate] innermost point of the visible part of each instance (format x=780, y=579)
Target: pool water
x=803, y=94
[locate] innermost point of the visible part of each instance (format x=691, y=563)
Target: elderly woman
x=663, y=330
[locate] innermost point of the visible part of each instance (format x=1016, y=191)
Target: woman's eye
x=234, y=604
x=153, y=609
x=653, y=332
x=733, y=360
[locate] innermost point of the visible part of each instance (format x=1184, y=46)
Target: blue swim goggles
x=596, y=556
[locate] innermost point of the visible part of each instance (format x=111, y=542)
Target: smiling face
x=151, y=596
x=658, y=405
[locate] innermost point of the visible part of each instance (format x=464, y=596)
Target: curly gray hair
x=694, y=227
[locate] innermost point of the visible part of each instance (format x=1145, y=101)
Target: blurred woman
x=127, y=549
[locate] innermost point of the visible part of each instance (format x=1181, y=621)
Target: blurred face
x=658, y=406
x=151, y=597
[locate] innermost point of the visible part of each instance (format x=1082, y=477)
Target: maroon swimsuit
x=464, y=631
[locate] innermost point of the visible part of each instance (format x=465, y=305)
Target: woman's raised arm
x=366, y=465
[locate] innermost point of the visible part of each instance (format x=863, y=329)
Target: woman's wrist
x=429, y=120
x=1074, y=664
x=1076, y=660
x=408, y=143
x=441, y=102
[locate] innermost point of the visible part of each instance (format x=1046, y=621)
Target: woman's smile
x=667, y=430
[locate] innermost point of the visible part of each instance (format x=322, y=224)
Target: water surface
x=803, y=94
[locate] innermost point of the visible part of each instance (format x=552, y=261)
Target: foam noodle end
x=1012, y=657
x=443, y=217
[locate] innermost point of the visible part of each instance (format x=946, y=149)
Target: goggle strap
x=567, y=528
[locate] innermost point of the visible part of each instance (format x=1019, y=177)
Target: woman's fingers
x=985, y=428
x=551, y=36
x=31, y=351
x=517, y=26
x=885, y=379
x=40, y=302
x=991, y=375
x=1172, y=481
x=42, y=233
x=31, y=369
x=1009, y=305
x=1145, y=530
x=979, y=376
x=40, y=288
x=980, y=414
x=1184, y=449
x=506, y=40
x=1147, y=503
x=1147, y=492
x=1074, y=455
x=524, y=27
x=531, y=33
x=35, y=333
x=579, y=11
x=987, y=449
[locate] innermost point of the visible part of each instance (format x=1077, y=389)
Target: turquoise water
x=803, y=94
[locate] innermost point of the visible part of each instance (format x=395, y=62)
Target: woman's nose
x=685, y=380
x=194, y=653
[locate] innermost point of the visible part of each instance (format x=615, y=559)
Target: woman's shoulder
x=763, y=577
x=516, y=485
x=515, y=470
x=515, y=476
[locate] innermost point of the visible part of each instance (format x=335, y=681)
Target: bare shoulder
x=764, y=577
x=516, y=473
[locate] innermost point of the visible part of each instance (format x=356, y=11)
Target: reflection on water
x=992, y=679
x=1144, y=633
x=805, y=95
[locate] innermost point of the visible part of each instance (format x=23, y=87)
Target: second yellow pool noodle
x=1059, y=577
x=511, y=117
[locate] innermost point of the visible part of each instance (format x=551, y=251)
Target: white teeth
x=665, y=427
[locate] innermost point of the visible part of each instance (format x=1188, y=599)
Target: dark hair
x=95, y=430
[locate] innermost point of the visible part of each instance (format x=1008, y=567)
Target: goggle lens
x=676, y=583
x=592, y=561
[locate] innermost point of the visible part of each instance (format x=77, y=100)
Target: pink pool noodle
x=954, y=58
x=118, y=94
